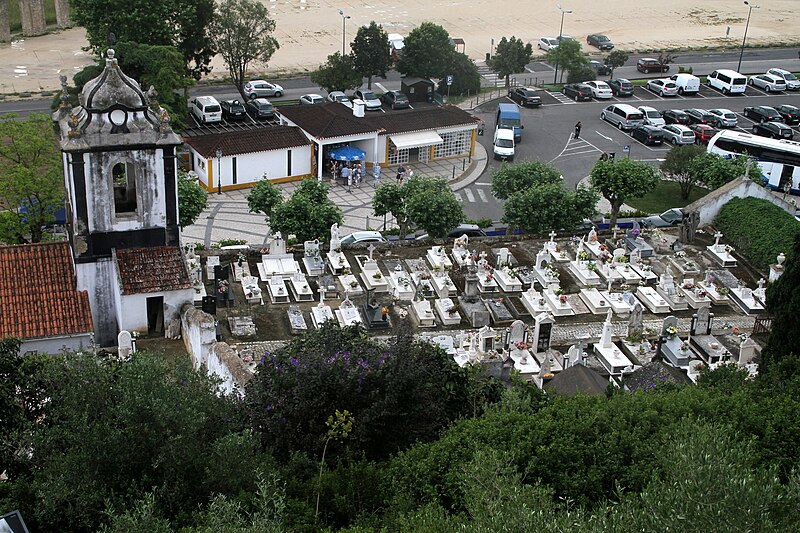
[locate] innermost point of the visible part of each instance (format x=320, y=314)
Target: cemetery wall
x=218, y=358
x=133, y=308
x=708, y=206
x=56, y=345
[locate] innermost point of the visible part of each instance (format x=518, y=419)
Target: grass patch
x=666, y=195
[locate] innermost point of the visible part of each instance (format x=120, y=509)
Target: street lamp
x=747, y=25
x=219, y=170
x=344, y=21
x=560, y=33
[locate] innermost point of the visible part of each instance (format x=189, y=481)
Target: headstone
x=543, y=329
x=311, y=248
x=124, y=344
x=461, y=243
x=717, y=237
x=336, y=243
x=635, y=257
x=608, y=332
x=278, y=246
x=747, y=351
x=321, y=291
x=541, y=259
x=701, y=322
x=471, y=285
x=667, y=284
x=487, y=339
x=503, y=258
x=371, y=249
x=635, y=322
x=593, y=235
x=210, y=305
x=669, y=322
x=517, y=332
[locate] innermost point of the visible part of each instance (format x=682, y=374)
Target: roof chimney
x=358, y=108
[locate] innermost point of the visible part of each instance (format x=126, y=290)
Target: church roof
x=577, y=379
x=38, y=297
x=112, y=88
x=249, y=141
x=155, y=269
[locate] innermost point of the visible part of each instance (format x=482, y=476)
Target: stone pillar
x=31, y=13
x=5, y=25
x=62, y=14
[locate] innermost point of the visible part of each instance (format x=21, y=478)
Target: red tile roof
x=156, y=269
x=38, y=297
x=249, y=141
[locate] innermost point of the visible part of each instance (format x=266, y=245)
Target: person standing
x=401, y=170
x=376, y=171
x=578, y=130
x=346, y=174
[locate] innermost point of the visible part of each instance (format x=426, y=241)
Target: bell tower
x=120, y=174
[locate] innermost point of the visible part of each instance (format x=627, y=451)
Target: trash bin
x=488, y=56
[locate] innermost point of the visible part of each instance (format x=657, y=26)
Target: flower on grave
x=341, y=259
x=593, y=238
x=489, y=276
x=729, y=248
x=583, y=255
x=563, y=298
x=560, y=291
x=602, y=303
x=452, y=310
x=437, y=268
x=680, y=255
x=247, y=358
x=354, y=284
x=346, y=271
x=377, y=275
x=685, y=346
x=688, y=285
x=591, y=266
x=447, y=267
x=700, y=293
x=672, y=332
x=723, y=291
x=562, y=254
x=521, y=346
x=636, y=232
x=627, y=268
x=646, y=268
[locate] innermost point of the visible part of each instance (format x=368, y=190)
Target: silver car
x=768, y=82
x=547, y=43
x=339, y=96
x=678, y=134
x=725, y=118
x=665, y=87
x=371, y=101
x=261, y=89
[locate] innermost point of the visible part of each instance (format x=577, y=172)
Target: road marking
x=482, y=195
x=470, y=196
x=603, y=136
x=458, y=195
x=482, y=184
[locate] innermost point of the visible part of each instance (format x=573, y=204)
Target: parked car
x=675, y=116
x=665, y=87
x=260, y=109
x=525, y=96
x=600, y=68
x=648, y=65
x=678, y=134
x=599, y=41
x=652, y=116
x=339, y=96
x=311, y=99
x=470, y=230
x=206, y=109
x=600, y=89
x=562, y=38
x=621, y=87
x=762, y=113
x=701, y=116
x=647, y=134
x=233, y=110
x=792, y=83
x=725, y=118
x=261, y=88
x=547, y=43
x=503, y=144
x=776, y=130
x=577, y=91
x=363, y=236
x=790, y=114
x=687, y=83
x=371, y=102
x=768, y=82
x=703, y=132
x=670, y=217
x=396, y=100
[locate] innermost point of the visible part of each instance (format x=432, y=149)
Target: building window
x=123, y=176
x=397, y=156
x=453, y=144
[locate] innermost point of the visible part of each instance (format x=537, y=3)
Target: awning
x=415, y=139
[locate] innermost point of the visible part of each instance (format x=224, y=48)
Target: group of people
x=354, y=174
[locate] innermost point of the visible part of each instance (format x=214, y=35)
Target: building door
x=155, y=314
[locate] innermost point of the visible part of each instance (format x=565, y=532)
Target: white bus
x=778, y=159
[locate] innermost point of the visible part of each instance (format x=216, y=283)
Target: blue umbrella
x=347, y=153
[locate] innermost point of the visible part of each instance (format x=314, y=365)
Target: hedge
x=758, y=229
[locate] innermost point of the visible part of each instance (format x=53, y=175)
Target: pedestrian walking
x=346, y=174
x=376, y=171
x=401, y=170
x=578, y=130
x=357, y=176
x=334, y=170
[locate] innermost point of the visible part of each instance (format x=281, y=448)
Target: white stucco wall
x=133, y=308
x=708, y=206
x=250, y=168
x=97, y=279
x=56, y=345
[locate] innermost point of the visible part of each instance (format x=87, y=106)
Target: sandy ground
x=309, y=30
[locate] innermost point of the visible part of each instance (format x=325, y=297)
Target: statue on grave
x=335, y=233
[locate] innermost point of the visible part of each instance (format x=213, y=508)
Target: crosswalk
x=489, y=78
x=561, y=98
x=474, y=194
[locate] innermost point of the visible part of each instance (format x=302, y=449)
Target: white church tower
x=120, y=175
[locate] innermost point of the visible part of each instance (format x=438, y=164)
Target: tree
x=621, y=179
x=549, y=206
x=466, y=78
x=308, y=213
x=510, y=57
x=714, y=171
x=521, y=176
x=679, y=166
x=242, y=35
x=568, y=56
x=615, y=59
x=424, y=202
x=31, y=177
x=427, y=52
x=581, y=74
x=192, y=199
x=337, y=74
x=665, y=58
x=370, y=51
x=264, y=197
x=180, y=23
x=783, y=303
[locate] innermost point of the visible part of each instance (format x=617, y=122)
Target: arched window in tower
x=123, y=176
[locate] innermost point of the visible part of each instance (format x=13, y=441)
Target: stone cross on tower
x=370, y=249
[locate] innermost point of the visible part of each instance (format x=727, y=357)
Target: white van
x=504, y=144
x=687, y=83
x=206, y=109
x=623, y=116
x=727, y=81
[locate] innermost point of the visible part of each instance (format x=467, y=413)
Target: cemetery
x=612, y=301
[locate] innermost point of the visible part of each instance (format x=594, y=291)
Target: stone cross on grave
x=761, y=283
x=717, y=237
x=321, y=291
x=482, y=260
x=370, y=249
x=552, y=235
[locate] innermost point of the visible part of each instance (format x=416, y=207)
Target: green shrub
x=758, y=229
x=231, y=242
x=481, y=222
